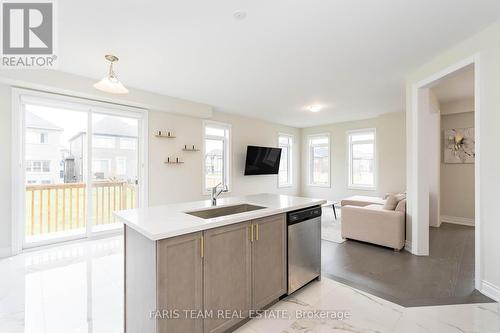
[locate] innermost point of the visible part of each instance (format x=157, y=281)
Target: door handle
x=257, y=232
x=251, y=233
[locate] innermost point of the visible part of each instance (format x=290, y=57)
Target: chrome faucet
x=216, y=194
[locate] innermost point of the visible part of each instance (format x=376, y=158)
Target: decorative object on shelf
x=110, y=83
x=190, y=148
x=459, y=145
x=164, y=134
x=175, y=160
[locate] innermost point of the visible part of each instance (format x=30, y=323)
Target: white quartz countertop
x=171, y=220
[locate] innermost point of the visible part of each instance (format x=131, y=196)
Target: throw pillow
x=401, y=207
x=391, y=202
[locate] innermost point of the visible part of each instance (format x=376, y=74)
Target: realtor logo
x=28, y=34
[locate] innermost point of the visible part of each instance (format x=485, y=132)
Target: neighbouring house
x=43, y=151
x=114, y=151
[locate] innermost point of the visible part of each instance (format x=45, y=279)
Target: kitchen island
x=192, y=267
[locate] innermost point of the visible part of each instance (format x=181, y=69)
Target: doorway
x=79, y=161
x=425, y=154
x=453, y=96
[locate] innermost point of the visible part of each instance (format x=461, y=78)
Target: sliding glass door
x=71, y=191
x=54, y=190
x=114, y=168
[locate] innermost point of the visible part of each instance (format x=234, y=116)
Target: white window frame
x=350, y=184
x=20, y=97
x=310, y=160
x=227, y=156
x=289, y=147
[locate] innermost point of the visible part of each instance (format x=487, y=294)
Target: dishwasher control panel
x=304, y=214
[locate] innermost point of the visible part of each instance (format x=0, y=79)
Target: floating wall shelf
x=175, y=160
x=190, y=148
x=164, y=134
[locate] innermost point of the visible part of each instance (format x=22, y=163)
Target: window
x=121, y=166
x=319, y=160
x=285, y=142
x=216, y=154
x=37, y=137
x=37, y=166
x=107, y=142
x=100, y=166
x=362, y=159
x=128, y=143
x=45, y=166
x=44, y=137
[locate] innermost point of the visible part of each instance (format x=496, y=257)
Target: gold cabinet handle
x=257, y=232
x=202, y=246
x=251, y=233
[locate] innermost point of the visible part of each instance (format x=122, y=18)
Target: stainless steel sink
x=224, y=211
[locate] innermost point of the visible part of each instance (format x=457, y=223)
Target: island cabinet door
x=227, y=276
x=180, y=284
x=268, y=260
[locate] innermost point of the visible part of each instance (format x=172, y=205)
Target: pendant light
x=110, y=83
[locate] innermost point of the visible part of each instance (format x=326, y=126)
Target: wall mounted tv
x=262, y=161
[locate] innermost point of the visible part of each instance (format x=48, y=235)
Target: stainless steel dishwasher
x=304, y=247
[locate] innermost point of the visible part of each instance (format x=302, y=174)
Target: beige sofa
x=365, y=219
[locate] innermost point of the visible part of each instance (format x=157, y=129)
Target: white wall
x=391, y=154
x=5, y=167
x=458, y=106
x=457, y=180
x=78, y=86
x=176, y=183
x=486, y=48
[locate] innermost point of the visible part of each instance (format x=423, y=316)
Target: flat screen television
x=262, y=161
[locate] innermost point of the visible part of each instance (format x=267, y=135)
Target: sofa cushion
x=392, y=201
x=401, y=207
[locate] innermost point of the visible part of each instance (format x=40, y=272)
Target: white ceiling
x=349, y=55
x=456, y=86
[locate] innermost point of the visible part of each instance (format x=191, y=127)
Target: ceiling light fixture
x=239, y=15
x=110, y=83
x=315, y=108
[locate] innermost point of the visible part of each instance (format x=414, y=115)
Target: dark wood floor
x=446, y=276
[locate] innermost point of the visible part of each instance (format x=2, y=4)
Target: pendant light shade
x=110, y=83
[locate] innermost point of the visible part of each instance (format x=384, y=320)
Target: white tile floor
x=79, y=288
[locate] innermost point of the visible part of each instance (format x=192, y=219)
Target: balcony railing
x=62, y=207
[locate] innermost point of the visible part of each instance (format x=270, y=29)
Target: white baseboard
x=408, y=246
x=490, y=290
x=457, y=220
x=5, y=252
